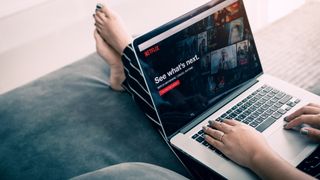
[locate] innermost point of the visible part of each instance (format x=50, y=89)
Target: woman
x=232, y=138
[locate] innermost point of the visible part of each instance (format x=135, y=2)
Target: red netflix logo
x=151, y=51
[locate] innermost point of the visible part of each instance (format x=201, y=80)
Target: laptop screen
x=194, y=61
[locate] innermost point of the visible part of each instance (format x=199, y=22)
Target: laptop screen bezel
x=166, y=27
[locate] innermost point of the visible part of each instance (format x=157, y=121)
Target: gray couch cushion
x=70, y=122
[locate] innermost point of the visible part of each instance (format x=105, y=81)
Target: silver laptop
x=205, y=66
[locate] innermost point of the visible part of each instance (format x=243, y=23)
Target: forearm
x=270, y=166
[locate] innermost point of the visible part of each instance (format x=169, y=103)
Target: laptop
x=205, y=66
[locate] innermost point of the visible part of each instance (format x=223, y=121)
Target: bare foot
x=113, y=59
x=111, y=29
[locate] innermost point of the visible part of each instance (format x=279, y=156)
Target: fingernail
x=204, y=128
x=304, y=132
x=211, y=122
x=285, y=125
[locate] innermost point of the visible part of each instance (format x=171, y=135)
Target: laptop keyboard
x=260, y=110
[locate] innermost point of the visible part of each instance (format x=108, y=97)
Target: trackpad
x=288, y=143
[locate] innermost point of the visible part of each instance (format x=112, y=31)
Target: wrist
x=261, y=158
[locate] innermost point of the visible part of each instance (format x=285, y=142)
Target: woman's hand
x=247, y=147
x=309, y=115
x=241, y=143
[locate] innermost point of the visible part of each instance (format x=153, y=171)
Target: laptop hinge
x=218, y=106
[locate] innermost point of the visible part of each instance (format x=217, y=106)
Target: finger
x=314, y=105
x=312, y=120
x=220, y=126
x=312, y=133
x=216, y=134
x=301, y=111
x=102, y=16
x=215, y=143
x=98, y=19
x=231, y=122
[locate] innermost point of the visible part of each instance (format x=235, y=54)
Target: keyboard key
x=260, y=111
x=230, y=111
x=255, y=115
x=291, y=104
x=278, y=105
x=246, y=122
x=258, y=96
x=252, y=109
x=276, y=115
x=268, y=122
x=253, y=124
x=285, y=99
x=224, y=115
x=269, y=103
x=211, y=147
x=288, y=108
x=263, y=116
x=268, y=89
x=238, y=111
x=250, y=119
x=280, y=95
x=239, y=104
x=241, y=117
x=274, y=100
x=205, y=143
x=297, y=101
x=262, y=101
x=242, y=108
x=200, y=139
x=282, y=111
x=246, y=113
x=265, y=107
x=201, y=132
x=274, y=108
x=233, y=115
x=262, y=93
x=269, y=112
x=195, y=136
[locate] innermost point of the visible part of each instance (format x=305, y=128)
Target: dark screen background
x=228, y=57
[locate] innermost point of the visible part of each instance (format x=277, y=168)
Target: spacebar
x=266, y=124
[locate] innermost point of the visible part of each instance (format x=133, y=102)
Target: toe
x=107, y=11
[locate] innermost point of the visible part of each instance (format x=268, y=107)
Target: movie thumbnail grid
x=221, y=29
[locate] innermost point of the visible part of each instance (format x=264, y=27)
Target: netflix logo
x=151, y=51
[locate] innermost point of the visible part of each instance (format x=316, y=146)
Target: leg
x=113, y=59
x=128, y=171
x=111, y=29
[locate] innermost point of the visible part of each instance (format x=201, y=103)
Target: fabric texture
x=70, y=122
x=131, y=171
